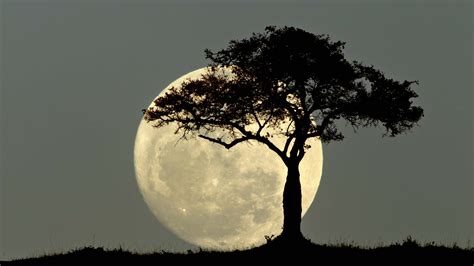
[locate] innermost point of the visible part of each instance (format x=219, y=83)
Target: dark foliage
x=286, y=74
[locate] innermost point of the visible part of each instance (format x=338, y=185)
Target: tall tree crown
x=286, y=81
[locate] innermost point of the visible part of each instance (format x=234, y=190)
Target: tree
x=292, y=83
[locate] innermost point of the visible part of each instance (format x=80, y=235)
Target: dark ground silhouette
x=407, y=253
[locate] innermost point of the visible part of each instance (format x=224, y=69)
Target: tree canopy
x=290, y=82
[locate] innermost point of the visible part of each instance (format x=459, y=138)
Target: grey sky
x=75, y=75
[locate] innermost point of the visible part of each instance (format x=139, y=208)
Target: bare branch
x=301, y=153
x=262, y=126
x=263, y=140
x=249, y=135
x=226, y=145
x=288, y=142
x=256, y=119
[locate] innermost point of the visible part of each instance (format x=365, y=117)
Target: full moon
x=213, y=197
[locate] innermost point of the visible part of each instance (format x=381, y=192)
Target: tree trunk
x=292, y=204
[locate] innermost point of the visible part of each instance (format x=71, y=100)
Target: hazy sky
x=75, y=75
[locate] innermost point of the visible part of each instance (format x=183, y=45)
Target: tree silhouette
x=285, y=81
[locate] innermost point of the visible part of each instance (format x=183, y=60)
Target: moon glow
x=213, y=197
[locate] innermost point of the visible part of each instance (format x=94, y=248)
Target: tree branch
x=290, y=137
x=256, y=119
x=262, y=126
x=301, y=153
x=226, y=145
x=248, y=135
x=272, y=147
x=326, y=121
x=196, y=122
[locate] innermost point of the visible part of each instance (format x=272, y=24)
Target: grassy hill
x=407, y=253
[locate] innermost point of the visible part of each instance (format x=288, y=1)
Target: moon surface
x=213, y=197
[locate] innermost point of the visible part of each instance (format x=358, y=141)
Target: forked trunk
x=292, y=204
